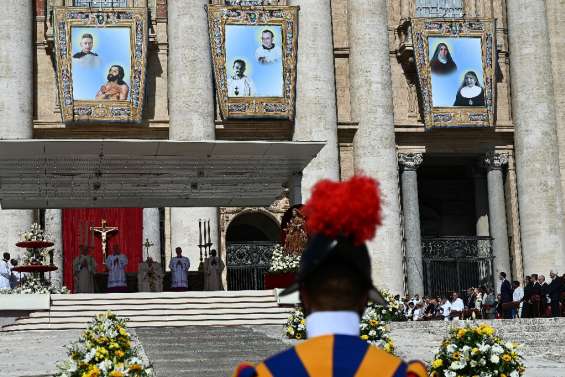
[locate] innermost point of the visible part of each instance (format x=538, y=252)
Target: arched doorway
x=250, y=239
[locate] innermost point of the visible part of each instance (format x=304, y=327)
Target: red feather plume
x=351, y=208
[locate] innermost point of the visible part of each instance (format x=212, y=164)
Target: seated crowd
x=537, y=298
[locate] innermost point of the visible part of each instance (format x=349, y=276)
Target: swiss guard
x=334, y=282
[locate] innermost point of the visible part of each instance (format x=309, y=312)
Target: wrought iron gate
x=453, y=264
x=247, y=262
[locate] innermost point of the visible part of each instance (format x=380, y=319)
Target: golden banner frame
x=456, y=116
x=101, y=110
x=255, y=107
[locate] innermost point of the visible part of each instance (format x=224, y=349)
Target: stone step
x=133, y=301
x=261, y=320
x=148, y=295
x=159, y=309
x=162, y=317
x=168, y=305
x=161, y=312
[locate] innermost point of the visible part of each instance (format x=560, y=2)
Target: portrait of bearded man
x=116, y=88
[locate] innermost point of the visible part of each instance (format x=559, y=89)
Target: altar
x=195, y=281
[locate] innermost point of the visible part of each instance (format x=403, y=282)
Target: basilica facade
x=472, y=176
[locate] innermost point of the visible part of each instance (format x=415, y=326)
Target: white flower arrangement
x=35, y=233
x=392, y=312
x=374, y=330
x=476, y=351
x=295, y=325
x=371, y=329
x=105, y=349
x=33, y=285
x=282, y=262
x=35, y=255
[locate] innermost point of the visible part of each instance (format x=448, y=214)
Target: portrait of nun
x=442, y=63
x=470, y=93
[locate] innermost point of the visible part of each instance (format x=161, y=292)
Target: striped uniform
x=333, y=356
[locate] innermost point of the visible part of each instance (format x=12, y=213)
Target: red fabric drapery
x=129, y=236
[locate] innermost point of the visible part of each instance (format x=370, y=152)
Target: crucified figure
x=104, y=230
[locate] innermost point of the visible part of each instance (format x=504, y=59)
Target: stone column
x=481, y=202
x=152, y=232
x=54, y=228
x=191, y=109
x=16, y=101
x=497, y=213
x=555, y=12
x=295, y=189
x=536, y=144
x=411, y=210
x=374, y=143
x=316, y=115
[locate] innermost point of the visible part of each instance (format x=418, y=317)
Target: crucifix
x=104, y=230
x=147, y=245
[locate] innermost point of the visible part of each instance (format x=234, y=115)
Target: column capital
x=495, y=161
x=410, y=161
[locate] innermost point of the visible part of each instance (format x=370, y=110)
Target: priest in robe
x=179, y=266
x=84, y=267
x=213, y=267
x=150, y=276
x=5, y=272
x=116, y=265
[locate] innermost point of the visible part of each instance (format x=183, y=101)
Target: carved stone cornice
x=495, y=161
x=410, y=161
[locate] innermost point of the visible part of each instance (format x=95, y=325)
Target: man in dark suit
x=544, y=288
x=527, y=303
x=554, y=291
x=505, y=296
x=535, y=296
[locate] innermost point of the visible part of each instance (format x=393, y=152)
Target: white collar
x=470, y=92
x=338, y=322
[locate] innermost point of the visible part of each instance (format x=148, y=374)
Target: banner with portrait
x=254, y=57
x=456, y=62
x=101, y=57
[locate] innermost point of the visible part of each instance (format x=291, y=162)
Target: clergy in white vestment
x=213, y=267
x=5, y=271
x=150, y=276
x=116, y=264
x=179, y=266
x=84, y=268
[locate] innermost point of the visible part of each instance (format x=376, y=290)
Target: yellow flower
x=301, y=321
x=373, y=322
x=298, y=336
x=119, y=354
x=135, y=368
x=389, y=347
x=506, y=357
x=116, y=373
x=93, y=371
x=461, y=333
x=485, y=329
x=474, y=350
x=502, y=375
x=456, y=355
x=364, y=337
x=437, y=363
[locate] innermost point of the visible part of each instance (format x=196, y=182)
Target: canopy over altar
x=147, y=173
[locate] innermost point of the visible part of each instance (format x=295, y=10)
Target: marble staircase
x=166, y=309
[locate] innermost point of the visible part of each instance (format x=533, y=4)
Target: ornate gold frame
x=101, y=110
x=255, y=107
x=456, y=117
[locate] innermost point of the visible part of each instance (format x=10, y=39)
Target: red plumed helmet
x=350, y=209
